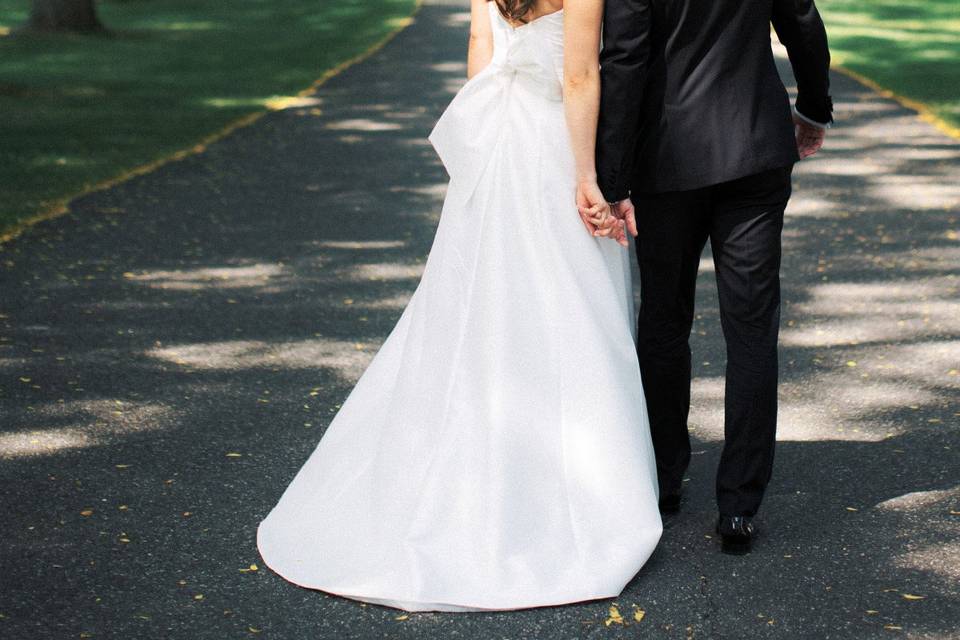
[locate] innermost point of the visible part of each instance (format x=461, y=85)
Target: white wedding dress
x=496, y=453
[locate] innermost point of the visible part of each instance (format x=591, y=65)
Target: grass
x=79, y=110
x=911, y=47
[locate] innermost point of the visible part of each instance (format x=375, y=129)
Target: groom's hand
x=809, y=137
x=626, y=215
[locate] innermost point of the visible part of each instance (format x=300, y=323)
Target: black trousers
x=743, y=219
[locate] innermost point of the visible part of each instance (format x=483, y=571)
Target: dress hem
x=415, y=606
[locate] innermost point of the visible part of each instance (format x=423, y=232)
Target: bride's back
x=519, y=12
x=517, y=97
x=543, y=31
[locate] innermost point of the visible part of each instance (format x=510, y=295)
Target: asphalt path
x=172, y=349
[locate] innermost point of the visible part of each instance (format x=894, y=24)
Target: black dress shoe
x=736, y=534
x=670, y=503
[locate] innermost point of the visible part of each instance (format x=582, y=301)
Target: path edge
x=924, y=112
x=62, y=205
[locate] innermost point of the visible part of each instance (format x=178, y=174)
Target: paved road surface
x=172, y=350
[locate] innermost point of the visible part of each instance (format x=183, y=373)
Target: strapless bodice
x=524, y=78
x=533, y=51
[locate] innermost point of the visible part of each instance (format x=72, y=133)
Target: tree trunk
x=64, y=15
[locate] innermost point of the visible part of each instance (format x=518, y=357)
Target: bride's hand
x=594, y=210
x=601, y=217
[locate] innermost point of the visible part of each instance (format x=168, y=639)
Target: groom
x=696, y=132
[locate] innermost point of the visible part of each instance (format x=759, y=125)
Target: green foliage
x=909, y=46
x=78, y=109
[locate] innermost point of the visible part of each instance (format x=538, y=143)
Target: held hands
x=593, y=208
x=602, y=220
x=809, y=137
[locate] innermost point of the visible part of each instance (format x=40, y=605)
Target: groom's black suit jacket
x=690, y=92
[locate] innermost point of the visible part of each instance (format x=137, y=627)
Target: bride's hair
x=515, y=10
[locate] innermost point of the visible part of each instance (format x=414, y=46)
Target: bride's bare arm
x=480, y=50
x=581, y=96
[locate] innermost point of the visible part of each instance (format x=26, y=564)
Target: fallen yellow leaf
x=234, y=454
x=402, y=617
x=615, y=617
x=87, y=512
x=638, y=613
x=910, y=596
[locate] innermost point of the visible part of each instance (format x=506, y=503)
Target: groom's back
x=712, y=106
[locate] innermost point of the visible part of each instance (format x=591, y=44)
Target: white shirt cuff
x=819, y=125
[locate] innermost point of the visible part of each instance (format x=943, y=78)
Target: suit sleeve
x=800, y=29
x=623, y=72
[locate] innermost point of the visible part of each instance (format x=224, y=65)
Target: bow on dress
x=467, y=134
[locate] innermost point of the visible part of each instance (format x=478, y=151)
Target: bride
x=496, y=452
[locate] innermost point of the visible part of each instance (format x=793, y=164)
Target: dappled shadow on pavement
x=173, y=348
